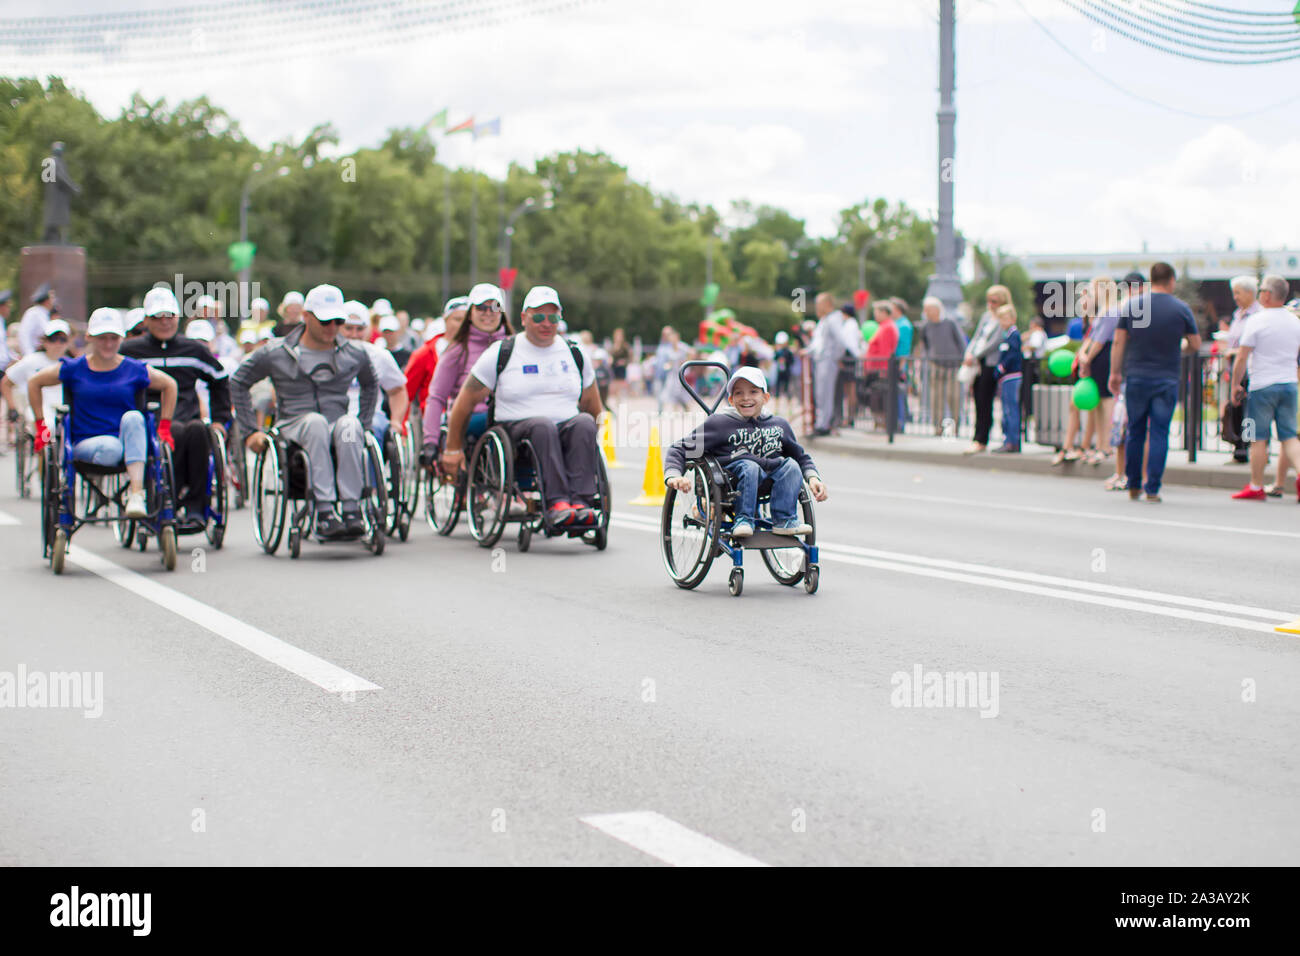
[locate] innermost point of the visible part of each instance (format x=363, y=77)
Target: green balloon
x=1086, y=395
x=869, y=328
x=1059, y=362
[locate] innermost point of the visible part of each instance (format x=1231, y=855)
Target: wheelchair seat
x=90, y=469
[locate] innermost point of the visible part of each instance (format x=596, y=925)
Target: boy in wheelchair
x=751, y=445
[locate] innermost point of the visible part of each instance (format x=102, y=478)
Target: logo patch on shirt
x=530, y=369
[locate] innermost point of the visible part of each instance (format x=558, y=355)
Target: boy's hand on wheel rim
x=681, y=483
x=256, y=442
x=818, y=488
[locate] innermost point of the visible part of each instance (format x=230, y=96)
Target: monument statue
x=59, y=189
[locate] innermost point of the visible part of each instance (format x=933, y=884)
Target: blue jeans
x=786, y=482
x=1009, y=392
x=108, y=450
x=1272, y=405
x=1150, y=402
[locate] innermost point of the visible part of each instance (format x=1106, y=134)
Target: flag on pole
x=465, y=127
x=439, y=121
x=490, y=128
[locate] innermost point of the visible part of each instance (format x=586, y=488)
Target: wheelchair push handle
x=681, y=375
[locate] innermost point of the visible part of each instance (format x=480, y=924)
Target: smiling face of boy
x=748, y=399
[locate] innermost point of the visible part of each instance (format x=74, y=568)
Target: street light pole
x=528, y=205
x=944, y=284
x=446, y=233
x=246, y=273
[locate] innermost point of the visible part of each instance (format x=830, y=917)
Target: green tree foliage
x=162, y=187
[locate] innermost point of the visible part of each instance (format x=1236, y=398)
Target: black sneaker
x=329, y=526
x=352, y=522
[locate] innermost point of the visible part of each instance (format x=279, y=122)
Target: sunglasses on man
x=338, y=321
x=488, y=307
x=56, y=337
x=542, y=317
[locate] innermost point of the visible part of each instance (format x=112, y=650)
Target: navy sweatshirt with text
x=729, y=436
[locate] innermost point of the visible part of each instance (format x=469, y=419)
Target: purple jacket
x=453, y=368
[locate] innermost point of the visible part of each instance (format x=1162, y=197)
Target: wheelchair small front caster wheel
x=736, y=582
x=295, y=542
x=525, y=537
x=167, y=545
x=59, y=551
x=810, y=579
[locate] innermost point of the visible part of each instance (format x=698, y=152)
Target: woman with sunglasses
x=484, y=323
x=106, y=428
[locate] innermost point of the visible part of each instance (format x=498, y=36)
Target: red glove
x=401, y=428
x=42, y=435
x=165, y=433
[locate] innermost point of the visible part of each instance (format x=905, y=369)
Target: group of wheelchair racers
x=505, y=433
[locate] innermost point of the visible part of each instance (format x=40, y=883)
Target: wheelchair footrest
x=767, y=540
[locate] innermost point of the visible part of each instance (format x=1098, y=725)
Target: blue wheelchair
x=696, y=526
x=216, y=505
x=102, y=491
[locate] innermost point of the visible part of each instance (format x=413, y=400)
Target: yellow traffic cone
x=652, y=485
x=607, y=445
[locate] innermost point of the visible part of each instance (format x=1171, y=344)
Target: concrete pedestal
x=64, y=268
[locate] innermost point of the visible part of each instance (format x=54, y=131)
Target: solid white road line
x=295, y=660
x=1061, y=512
x=654, y=834
x=1071, y=590
x=6, y=518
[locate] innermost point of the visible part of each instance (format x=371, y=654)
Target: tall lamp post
x=944, y=284
x=528, y=205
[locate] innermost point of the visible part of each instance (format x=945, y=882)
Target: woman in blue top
x=106, y=428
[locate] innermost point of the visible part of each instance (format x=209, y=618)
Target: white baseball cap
x=357, y=314
x=389, y=323
x=265, y=334
x=133, y=318
x=458, y=302
x=325, y=302
x=542, y=295
x=417, y=325
x=248, y=337
x=382, y=307
x=105, y=322
x=291, y=298
x=55, y=326
x=200, y=329
x=753, y=376
x=159, y=300
x=259, y=303
x=485, y=292
x=434, y=327
x=206, y=302
x=782, y=338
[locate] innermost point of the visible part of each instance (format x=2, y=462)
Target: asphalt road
x=572, y=707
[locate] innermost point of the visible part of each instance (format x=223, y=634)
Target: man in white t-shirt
x=1270, y=346
x=392, y=381
x=546, y=392
x=13, y=381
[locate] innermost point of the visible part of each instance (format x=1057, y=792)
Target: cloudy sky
x=1069, y=139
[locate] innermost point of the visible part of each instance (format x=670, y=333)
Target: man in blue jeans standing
x=1146, y=359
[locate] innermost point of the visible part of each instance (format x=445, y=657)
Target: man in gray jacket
x=312, y=368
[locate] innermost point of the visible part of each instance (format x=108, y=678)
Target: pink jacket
x=453, y=368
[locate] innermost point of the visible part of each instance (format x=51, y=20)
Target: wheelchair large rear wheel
x=787, y=564
x=491, y=486
x=236, y=467
x=394, y=479
x=50, y=494
x=443, y=502
x=689, y=527
x=23, y=456
x=218, y=488
x=270, y=496
x=375, y=492
x=599, y=535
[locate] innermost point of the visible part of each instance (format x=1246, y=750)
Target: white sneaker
x=135, y=506
x=742, y=529
x=794, y=529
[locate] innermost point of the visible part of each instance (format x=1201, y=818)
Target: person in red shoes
x=1269, y=347
x=106, y=428
x=545, y=392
